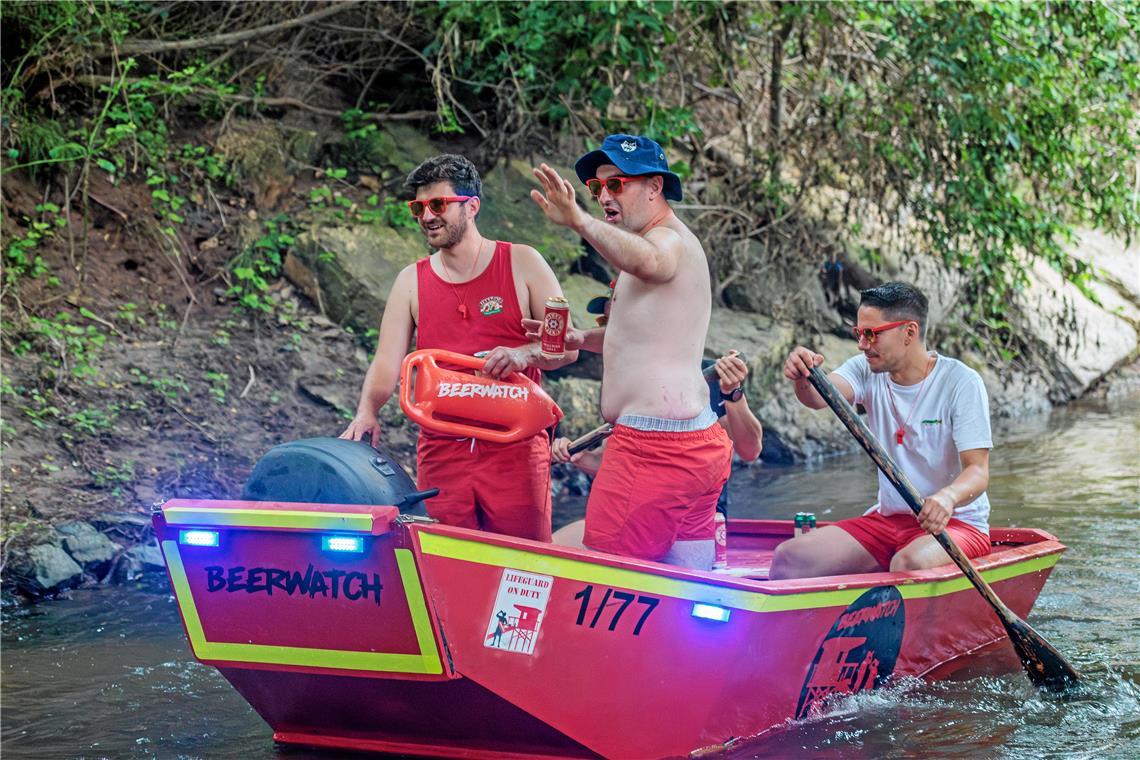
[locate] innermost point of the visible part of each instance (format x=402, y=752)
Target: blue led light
x=710, y=612
x=198, y=537
x=351, y=544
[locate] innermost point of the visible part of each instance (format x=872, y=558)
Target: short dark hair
x=449, y=167
x=897, y=300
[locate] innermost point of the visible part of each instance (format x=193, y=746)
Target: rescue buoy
x=455, y=402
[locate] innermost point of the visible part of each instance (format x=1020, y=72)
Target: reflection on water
x=108, y=673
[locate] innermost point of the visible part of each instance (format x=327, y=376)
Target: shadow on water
x=108, y=673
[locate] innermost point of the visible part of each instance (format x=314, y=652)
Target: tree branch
x=147, y=47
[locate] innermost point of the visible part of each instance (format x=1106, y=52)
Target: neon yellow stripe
x=353, y=522
x=427, y=661
x=752, y=601
x=420, y=619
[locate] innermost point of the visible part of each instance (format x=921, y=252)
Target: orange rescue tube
x=458, y=403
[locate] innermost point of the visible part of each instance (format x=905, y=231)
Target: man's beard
x=453, y=233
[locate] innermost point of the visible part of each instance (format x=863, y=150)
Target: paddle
x=602, y=432
x=1046, y=667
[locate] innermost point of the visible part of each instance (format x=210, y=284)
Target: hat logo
x=629, y=146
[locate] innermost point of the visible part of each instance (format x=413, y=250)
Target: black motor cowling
x=332, y=471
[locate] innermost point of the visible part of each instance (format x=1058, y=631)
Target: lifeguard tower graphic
x=518, y=611
x=858, y=653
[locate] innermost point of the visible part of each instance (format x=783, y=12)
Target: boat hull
x=480, y=645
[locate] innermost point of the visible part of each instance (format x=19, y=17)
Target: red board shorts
x=656, y=488
x=883, y=536
x=497, y=487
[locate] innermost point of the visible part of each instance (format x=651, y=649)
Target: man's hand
x=574, y=336
x=361, y=426
x=937, y=509
x=799, y=363
x=502, y=361
x=557, y=198
x=732, y=371
x=560, y=451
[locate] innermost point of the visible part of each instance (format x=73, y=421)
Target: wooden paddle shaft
x=603, y=431
x=1045, y=665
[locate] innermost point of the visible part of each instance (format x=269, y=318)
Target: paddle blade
x=1046, y=667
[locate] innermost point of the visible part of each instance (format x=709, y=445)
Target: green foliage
x=1005, y=125
x=219, y=385
x=560, y=62
x=68, y=348
x=21, y=259
x=255, y=268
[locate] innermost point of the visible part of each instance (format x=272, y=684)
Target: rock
x=508, y=213
x=44, y=568
x=790, y=428
x=143, y=558
x=348, y=271
x=764, y=342
x=86, y=545
x=580, y=401
x=1080, y=339
x=1012, y=394
x=257, y=151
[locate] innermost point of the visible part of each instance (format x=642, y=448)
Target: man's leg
x=920, y=554
x=698, y=555
x=827, y=551
x=924, y=551
x=570, y=535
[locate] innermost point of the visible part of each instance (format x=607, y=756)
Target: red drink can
x=554, y=322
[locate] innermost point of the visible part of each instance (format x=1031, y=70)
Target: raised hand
x=732, y=371
x=557, y=198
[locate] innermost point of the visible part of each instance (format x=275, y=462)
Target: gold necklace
x=461, y=307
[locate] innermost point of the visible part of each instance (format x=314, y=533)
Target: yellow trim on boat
x=355, y=522
x=752, y=601
x=427, y=661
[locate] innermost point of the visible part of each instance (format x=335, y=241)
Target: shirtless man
x=668, y=459
x=471, y=295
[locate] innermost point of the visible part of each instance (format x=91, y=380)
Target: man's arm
x=798, y=367
x=938, y=508
x=384, y=372
x=739, y=422
x=652, y=258
x=540, y=283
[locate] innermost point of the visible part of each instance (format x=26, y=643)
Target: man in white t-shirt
x=932, y=415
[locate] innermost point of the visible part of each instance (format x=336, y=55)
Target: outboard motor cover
x=331, y=471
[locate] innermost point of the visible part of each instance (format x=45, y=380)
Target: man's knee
x=792, y=559
x=918, y=557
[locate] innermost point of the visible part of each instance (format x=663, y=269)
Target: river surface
x=108, y=673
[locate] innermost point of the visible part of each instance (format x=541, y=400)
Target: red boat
x=354, y=626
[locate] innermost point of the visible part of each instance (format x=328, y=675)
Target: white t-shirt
x=953, y=415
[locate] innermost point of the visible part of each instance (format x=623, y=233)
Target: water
x=108, y=673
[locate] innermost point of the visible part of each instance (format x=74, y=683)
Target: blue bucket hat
x=634, y=156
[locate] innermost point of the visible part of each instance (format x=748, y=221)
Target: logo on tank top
x=491, y=305
x=859, y=652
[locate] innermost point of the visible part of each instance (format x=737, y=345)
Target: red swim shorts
x=883, y=536
x=656, y=488
x=497, y=487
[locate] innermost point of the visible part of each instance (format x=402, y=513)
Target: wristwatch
x=735, y=394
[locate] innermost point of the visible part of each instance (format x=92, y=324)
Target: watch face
x=735, y=394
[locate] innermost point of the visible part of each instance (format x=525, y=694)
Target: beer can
x=554, y=323
x=799, y=524
x=809, y=521
x=721, y=538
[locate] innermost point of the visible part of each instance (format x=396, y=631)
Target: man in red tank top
x=471, y=295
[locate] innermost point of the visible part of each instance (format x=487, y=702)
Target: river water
x=108, y=674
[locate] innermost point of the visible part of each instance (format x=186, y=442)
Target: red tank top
x=493, y=314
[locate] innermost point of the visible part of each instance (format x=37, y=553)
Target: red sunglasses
x=614, y=184
x=437, y=205
x=869, y=334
